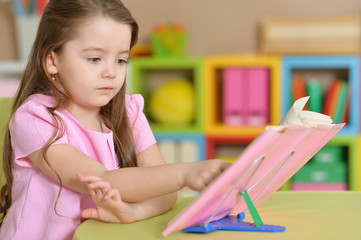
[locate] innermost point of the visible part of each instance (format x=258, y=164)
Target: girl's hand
x=110, y=207
x=199, y=175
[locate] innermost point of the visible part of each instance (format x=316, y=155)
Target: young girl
x=73, y=121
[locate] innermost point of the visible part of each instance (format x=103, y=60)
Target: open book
x=296, y=115
x=263, y=167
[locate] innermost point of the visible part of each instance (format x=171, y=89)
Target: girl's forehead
x=102, y=32
x=99, y=23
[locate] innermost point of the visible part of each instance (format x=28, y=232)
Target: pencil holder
x=26, y=27
x=169, y=40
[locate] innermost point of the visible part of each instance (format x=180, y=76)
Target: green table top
x=306, y=215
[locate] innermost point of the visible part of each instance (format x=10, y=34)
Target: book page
x=292, y=116
x=297, y=116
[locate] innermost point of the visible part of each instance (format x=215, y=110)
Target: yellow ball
x=173, y=102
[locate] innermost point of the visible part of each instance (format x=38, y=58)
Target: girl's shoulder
x=39, y=100
x=34, y=106
x=134, y=104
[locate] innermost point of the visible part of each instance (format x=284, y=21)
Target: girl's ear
x=51, y=63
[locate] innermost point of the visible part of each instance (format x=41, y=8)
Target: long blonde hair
x=57, y=26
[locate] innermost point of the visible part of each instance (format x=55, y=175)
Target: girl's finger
x=87, y=179
x=90, y=213
x=92, y=193
x=113, y=194
x=104, y=186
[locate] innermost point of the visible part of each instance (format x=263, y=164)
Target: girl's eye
x=94, y=59
x=122, y=61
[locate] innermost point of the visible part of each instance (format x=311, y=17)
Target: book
x=168, y=148
x=258, y=96
x=298, y=87
x=41, y=4
x=341, y=102
x=297, y=116
x=234, y=96
x=346, y=112
x=188, y=151
x=330, y=101
x=262, y=168
x=314, y=90
x=245, y=96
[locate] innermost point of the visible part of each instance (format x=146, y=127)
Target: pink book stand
x=267, y=163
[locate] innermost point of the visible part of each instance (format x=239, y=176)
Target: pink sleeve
x=142, y=133
x=30, y=127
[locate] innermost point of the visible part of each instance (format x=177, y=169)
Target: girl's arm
x=135, y=184
x=114, y=209
x=111, y=208
x=109, y=205
x=155, y=206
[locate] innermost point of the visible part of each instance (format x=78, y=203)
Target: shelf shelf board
x=11, y=67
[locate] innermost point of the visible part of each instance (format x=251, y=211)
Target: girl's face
x=92, y=67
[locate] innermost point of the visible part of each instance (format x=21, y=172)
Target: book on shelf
x=334, y=103
x=261, y=169
x=178, y=151
x=168, y=148
x=337, y=101
x=258, y=93
x=341, y=103
x=245, y=95
x=314, y=90
x=346, y=113
x=330, y=99
x=234, y=97
x=298, y=87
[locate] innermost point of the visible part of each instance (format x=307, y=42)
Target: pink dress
x=32, y=214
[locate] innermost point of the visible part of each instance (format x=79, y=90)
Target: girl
x=71, y=116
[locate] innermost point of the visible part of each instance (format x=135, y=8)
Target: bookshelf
x=212, y=136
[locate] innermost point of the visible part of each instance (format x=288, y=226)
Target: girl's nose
x=109, y=71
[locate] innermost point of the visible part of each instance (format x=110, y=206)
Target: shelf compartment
x=175, y=144
x=325, y=69
x=147, y=73
x=213, y=67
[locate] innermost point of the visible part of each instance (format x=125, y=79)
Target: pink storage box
x=319, y=186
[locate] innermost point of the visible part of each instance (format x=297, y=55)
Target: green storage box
x=330, y=155
x=319, y=172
